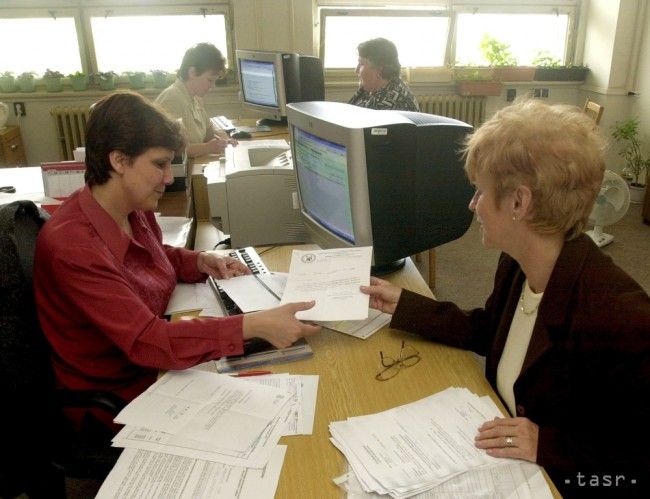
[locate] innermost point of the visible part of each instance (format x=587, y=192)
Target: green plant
x=105, y=75
x=7, y=74
x=626, y=133
x=52, y=74
x=26, y=76
x=77, y=74
x=546, y=60
x=495, y=52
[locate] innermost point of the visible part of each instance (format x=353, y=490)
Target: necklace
x=522, y=303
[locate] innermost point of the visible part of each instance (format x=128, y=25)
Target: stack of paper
x=211, y=433
x=410, y=449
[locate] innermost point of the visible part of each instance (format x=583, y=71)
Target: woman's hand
x=509, y=437
x=279, y=325
x=217, y=145
x=220, y=267
x=383, y=295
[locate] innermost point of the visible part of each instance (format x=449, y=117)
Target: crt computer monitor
x=270, y=80
x=393, y=180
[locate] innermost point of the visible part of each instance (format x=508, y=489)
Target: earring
x=514, y=218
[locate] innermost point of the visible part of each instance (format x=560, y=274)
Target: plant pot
x=637, y=193
x=53, y=84
x=7, y=84
x=514, y=73
x=136, y=80
x=79, y=83
x=160, y=80
x=480, y=73
x=26, y=85
x=107, y=83
x=561, y=74
x=478, y=87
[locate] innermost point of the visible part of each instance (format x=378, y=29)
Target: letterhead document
x=331, y=278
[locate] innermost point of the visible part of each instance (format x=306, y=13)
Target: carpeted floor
x=465, y=269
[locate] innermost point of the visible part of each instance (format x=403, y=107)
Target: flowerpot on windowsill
x=159, y=78
x=514, y=73
x=53, y=84
x=561, y=73
x=7, y=83
x=478, y=87
x=79, y=82
x=136, y=80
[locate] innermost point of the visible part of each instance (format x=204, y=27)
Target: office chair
x=594, y=110
x=39, y=447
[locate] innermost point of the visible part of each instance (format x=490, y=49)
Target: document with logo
x=331, y=278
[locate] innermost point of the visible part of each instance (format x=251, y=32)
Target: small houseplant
x=26, y=81
x=637, y=166
x=499, y=56
x=549, y=68
x=78, y=80
x=159, y=78
x=7, y=82
x=476, y=80
x=105, y=79
x=136, y=78
x=52, y=80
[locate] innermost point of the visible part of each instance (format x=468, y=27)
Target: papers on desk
x=412, y=448
x=175, y=230
x=204, y=427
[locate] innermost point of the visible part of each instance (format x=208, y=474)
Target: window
x=148, y=41
x=44, y=41
x=420, y=35
x=527, y=34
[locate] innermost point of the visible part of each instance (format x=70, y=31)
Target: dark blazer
x=586, y=375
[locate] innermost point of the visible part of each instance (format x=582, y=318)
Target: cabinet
x=12, y=152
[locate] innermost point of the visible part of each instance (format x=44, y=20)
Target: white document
x=414, y=447
x=255, y=292
x=151, y=475
x=175, y=230
x=360, y=329
x=332, y=278
x=207, y=407
x=196, y=296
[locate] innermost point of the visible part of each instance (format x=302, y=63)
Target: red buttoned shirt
x=101, y=295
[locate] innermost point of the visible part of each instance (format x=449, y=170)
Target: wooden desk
x=347, y=386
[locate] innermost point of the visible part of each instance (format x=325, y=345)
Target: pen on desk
x=259, y=279
x=243, y=374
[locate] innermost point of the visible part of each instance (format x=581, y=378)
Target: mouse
x=240, y=134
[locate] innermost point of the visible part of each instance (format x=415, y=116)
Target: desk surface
x=347, y=385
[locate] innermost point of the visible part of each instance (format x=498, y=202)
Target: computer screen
x=393, y=180
x=270, y=80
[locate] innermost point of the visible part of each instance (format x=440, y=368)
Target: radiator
x=70, y=125
x=470, y=109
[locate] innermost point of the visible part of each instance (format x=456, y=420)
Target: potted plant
x=7, y=82
x=637, y=167
x=476, y=80
x=78, y=80
x=105, y=79
x=548, y=68
x=498, y=55
x=136, y=78
x=52, y=80
x=159, y=78
x=26, y=81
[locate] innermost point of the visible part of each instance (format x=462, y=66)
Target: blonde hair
x=555, y=150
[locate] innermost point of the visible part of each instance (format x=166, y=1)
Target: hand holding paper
x=332, y=278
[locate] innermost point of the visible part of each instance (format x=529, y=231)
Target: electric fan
x=611, y=204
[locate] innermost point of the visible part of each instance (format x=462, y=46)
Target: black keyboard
x=252, y=260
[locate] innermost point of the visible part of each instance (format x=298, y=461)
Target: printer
x=253, y=196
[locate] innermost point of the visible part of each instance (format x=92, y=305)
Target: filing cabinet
x=12, y=152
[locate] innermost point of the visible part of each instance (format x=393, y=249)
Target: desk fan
x=611, y=204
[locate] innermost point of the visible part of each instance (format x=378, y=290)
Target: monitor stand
x=270, y=122
x=387, y=268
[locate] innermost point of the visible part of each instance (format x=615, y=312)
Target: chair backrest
x=594, y=110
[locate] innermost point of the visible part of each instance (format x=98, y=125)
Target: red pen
x=250, y=373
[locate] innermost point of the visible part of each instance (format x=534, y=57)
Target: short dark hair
x=382, y=54
x=203, y=57
x=125, y=121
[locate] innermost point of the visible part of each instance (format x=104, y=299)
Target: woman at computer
x=201, y=67
x=380, y=86
x=565, y=331
x=102, y=277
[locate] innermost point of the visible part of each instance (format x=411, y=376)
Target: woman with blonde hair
x=565, y=331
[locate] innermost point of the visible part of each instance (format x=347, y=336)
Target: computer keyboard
x=249, y=257
x=223, y=123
